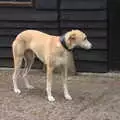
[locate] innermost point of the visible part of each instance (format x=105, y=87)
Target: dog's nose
x=89, y=46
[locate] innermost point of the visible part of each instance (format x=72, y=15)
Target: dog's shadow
x=41, y=93
x=33, y=92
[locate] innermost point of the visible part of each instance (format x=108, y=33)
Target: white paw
x=51, y=98
x=17, y=91
x=30, y=87
x=68, y=97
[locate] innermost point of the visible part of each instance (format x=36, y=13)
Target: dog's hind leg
x=29, y=59
x=18, y=53
x=17, y=62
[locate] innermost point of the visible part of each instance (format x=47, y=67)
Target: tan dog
x=52, y=50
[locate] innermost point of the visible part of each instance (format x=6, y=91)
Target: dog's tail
x=18, y=48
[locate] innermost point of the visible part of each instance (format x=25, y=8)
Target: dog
x=52, y=50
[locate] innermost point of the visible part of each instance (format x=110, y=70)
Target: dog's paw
x=30, y=87
x=51, y=98
x=18, y=91
x=68, y=97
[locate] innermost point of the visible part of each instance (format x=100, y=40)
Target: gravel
x=95, y=97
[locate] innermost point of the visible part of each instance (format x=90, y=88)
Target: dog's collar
x=62, y=40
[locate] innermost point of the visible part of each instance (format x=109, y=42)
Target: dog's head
x=77, y=38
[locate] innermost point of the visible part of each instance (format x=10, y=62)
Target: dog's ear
x=72, y=37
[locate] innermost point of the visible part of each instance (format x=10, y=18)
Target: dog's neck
x=63, y=42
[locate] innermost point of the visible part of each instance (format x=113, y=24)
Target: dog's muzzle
x=86, y=45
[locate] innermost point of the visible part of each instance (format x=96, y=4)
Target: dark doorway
x=114, y=34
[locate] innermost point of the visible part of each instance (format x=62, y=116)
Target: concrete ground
x=95, y=97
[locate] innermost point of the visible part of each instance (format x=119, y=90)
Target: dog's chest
x=60, y=59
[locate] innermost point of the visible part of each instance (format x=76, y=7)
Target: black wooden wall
x=57, y=17
x=114, y=34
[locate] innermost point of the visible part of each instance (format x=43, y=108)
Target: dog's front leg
x=65, y=87
x=49, y=83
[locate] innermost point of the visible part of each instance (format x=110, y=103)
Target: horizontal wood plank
x=88, y=66
x=27, y=14
x=14, y=32
x=28, y=24
x=90, y=55
x=83, y=4
x=83, y=24
x=46, y=4
x=99, y=43
x=15, y=3
x=83, y=15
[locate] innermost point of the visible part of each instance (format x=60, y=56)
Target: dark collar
x=62, y=40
